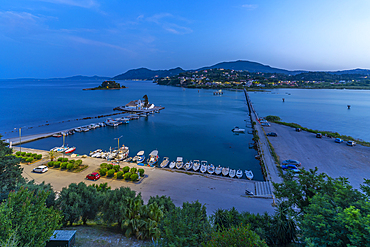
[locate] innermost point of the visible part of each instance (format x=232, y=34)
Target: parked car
x=351, y=143
x=40, y=169
x=298, y=129
x=249, y=193
x=93, y=176
x=271, y=134
x=338, y=140
x=265, y=124
x=289, y=167
x=318, y=135
x=293, y=162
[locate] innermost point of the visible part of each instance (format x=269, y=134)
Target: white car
x=40, y=169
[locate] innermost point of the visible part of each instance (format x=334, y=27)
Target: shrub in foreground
x=103, y=165
x=78, y=162
x=30, y=159
x=110, y=173
x=70, y=166
x=164, y=201
x=110, y=166
x=125, y=169
x=103, y=171
x=57, y=164
x=141, y=171
x=116, y=168
x=50, y=163
x=235, y=236
x=134, y=177
x=133, y=170
x=63, y=165
x=120, y=174
x=127, y=175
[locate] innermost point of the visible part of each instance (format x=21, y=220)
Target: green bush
x=39, y=156
x=70, y=166
x=134, y=177
x=110, y=173
x=57, y=164
x=116, y=168
x=141, y=171
x=50, y=163
x=109, y=166
x=72, y=161
x=60, y=159
x=164, y=201
x=30, y=159
x=127, y=175
x=103, y=171
x=103, y=165
x=18, y=153
x=120, y=174
x=235, y=236
x=125, y=169
x=23, y=153
x=63, y=165
x=78, y=162
x=28, y=154
x=34, y=156
x=272, y=118
x=133, y=170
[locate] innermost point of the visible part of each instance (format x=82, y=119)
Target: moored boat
x=140, y=157
x=70, y=150
x=165, y=162
x=225, y=171
x=179, y=163
x=172, y=164
x=218, y=170
x=232, y=173
x=238, y=130
x=249, y=174
x=239, y=173
x=196, y=165
x=153, y=158
x=188, y=165
x=203, y=166
x=211, y=169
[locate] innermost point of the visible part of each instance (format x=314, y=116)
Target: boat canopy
x=140, y=153
x=179, y=159
x=154, y=153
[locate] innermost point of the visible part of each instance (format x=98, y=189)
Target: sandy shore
x=214, y=191
x=334, y=159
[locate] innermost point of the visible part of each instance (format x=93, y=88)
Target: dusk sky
x=60, y=38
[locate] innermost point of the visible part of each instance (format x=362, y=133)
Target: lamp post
x=64, y=135
x=20, y=141
x=118, y=140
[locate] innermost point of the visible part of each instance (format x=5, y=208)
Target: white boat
x=94, y=152
x=59, y=149
x=232, y=173
x=249, y=174
x=196, y=165
x=111, y=122
x=78, y=129
x=125, y=120
x=97, y=155
x=218, y=170
x=123, y=153
x=153, y=158
x=238, y=130
x=239, y=173
x=140, y=157
x=225, y=171
x=179, y=163
x=165, y=162
x=70, y=150
x=203, y=166
x=188, y=165
x=172, y=164
x=211, y=169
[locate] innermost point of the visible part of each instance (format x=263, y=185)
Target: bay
x=195, y=124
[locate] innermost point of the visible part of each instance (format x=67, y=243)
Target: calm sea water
x=320, y=109
x=195, y=124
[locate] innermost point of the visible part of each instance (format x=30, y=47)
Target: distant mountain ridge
x=253, y=67
x=147, y=74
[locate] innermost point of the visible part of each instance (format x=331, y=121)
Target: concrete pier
x=263, y=147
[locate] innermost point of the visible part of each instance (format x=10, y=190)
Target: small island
x=107, y=85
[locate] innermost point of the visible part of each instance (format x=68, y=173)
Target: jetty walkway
x=264, y=152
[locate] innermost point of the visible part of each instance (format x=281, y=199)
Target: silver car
x=40, y=169
x=292, y=162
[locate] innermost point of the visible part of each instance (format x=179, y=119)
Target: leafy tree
x=224, y=219
x=235, y=236
x=273, y=118
x=186, y=226
x=146, y=100
x=103, y=187
x=10, y=170
x=79, y=202
x=164, y=201
x=25, y=218
x=37, y=188
x=115, y=206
